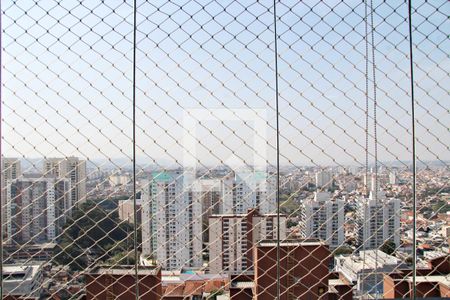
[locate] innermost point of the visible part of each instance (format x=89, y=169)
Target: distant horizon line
x=169, y=164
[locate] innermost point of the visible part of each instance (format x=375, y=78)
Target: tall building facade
x=323, y=219
x=11, y=169
x=324, y=179
x=249, y=189
x=36, y=209
x=231, y=239
x=374, y=181
x=378, y=221
x=393, y=178
x=72, y=168
x=126, y=210
x=208, y=192
x=171, y=221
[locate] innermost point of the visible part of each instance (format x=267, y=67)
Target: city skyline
x=316, y=112
x=225, y=150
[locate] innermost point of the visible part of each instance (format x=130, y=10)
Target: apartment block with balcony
x=323, y=219
x=72, y=168
x=36, y=209
x=378, y=221
x=232, y=237
x=11, y=169
x=171, y=221
x=249, y=189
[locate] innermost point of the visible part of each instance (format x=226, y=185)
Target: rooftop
x=177, y=277
x=123, y=270
x=45, y=246
x=367, y=261
x=288, y=243
x=243, y=284
x=336, y=282
x=17, y=272
x=433, y=278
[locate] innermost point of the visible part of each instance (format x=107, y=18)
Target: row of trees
x=95, y=235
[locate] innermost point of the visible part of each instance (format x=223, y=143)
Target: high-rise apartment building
x=324, y=179
x=72, y=168
x=323, y=219
x=171, y=220
x=231, y=239
x=369, y=182
x=374, y=181
x=208, y=192
x=249, y=189
x=36, y=209
x=11, y=169
x=393, y=178
x=126, y=209
x=378, y=220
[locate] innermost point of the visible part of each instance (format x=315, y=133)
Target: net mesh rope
x=143, y=164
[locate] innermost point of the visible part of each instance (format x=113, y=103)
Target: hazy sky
x=67, y=88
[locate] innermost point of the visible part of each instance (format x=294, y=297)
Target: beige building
x=119, y=180
x=323, y=219
x=11, y=169
x=208, y=192
x=126, y=210
x=378, y=220
x=231, y=239
x=72, y=168
x=36, y=209
x=324, y=179
x=445, y=231
x=171, y=220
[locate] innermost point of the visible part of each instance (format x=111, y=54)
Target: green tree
x=122, y=258
x=343, y=250
x=291, y=223
x=441, y=207
x=388, y=247
x=92, y=233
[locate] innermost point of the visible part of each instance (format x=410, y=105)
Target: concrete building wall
x=22, y=281
x=72, y=168
x=246, y=190
x=323, y=219
x=324, y=179
x=232, y=238
x=11, y=169
x=171, y=220
x=383, y=214
x=126, y=210
x=36, y=209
